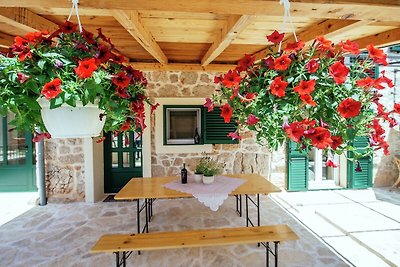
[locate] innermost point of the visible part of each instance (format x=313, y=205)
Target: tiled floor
x=62, y=235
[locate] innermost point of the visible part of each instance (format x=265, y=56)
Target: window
x=183, y=122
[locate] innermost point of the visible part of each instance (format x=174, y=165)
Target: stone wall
x=246, y=157
x=64, y=167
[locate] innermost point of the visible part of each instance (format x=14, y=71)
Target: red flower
x=278, y=87
x=101, y=139
x=249, y=97
x=121, y=80
x=336, y=141
x=122, y=92
x=68, y=27
x=282, y=62
x=295, y=131
x=19, y=41
x=377, y=55
x=22, y=77
x=330, y=163
x=384, y=79
x=320, y=138
x=40, y=136
x=226, y=113
x=339, y=72
x=252, y=120
x=125, y=126
x=209, y=104
x=323, y=44
x=245, y=62
x=154, y=107
x=268, y=62
x=396, y=108
x=117, y=58
x=103, y=54
x=275, y=37
x=296, y=46
x=349, y=46
x=358, y=168
x=88, y=36
x=217, y=79
x=307, y=99
x=86, y=68
x=305, y=87
x=366, y=83
x=234, y=135
x=312, y=66
x=231, y=79
x=349, y=108
x=52, y=89
x=35, y=37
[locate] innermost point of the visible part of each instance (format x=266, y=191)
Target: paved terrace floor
x=63, y=234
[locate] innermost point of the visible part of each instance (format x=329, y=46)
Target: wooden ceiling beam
x=131, y=21
x=6, y=40
x=382, y=39
x=182, y=67
x=339, y=9
x=233, y=27
x=25, y=20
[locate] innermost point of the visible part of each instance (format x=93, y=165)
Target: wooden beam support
x=233, y=27
x=25, y=20
x=328, y=28
x=181, y=67
x=6, y=40
x=335, y=9
x=382, y=39
x=130, y=20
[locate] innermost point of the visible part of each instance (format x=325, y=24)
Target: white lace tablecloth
x=212, y=195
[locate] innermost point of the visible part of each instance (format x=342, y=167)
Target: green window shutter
x=395, y=48
x=215, y=130
x=363, y=179
x=296, y=168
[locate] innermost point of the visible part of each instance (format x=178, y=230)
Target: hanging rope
x=75, y=6
x=286, y=6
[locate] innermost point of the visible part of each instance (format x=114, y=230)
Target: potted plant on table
x=44, y=73
x=309, y=96
x=199, y=170
x=212, y=168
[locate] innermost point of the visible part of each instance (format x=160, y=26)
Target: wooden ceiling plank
x=130, y=20
x=382, y=39
x=182, y=67
x=25, y=20
x=6, y=40
x=234, y=26
x=327, y=28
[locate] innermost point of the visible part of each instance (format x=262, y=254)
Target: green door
x=17, y=169
x=363, y=179
x=296, y=168
x=122, y=160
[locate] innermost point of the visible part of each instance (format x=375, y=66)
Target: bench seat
x=195, y=238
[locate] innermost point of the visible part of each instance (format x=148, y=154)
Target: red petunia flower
x=296, y=46
x=331, y=163
x=349, y=108
x=103, y=54
x=234, y=135
x=324, y=44
x=358, y=168
x=154, y=107
x=226, y=113
x=305, y=87
x=218, y=79
x=86, y=68
x=52, y=89
x=245, y=62
x=384, y=79
x=231, y=79
x=121, y=80
x=366, y=83
x=248, y=97
x=68, y=27
x=307, y=99
x=122, y=92
x=278, y=87
x=22, y=77
x=377, y=55
x=320, y=138
x=312, y=66
x=209, y=104
x=339, y=72
x=125, y=126
x=396, y=108
x=40, y=136
x=275, y=37
x=295, y=131
x=88, y=36
x=252, y=120
x=268, y=62
x=282, y=62
x=349, y=46
x=336, y=141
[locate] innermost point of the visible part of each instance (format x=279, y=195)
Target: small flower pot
x=72, y=122
x=208, y=179
x=198, y=177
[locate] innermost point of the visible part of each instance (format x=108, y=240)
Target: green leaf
x=41, y=64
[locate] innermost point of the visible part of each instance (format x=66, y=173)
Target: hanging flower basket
x=80, y=121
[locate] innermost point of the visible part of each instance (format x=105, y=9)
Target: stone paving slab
x=386, y=243
x=356, y=254
x=15, y=204
x=355, y=217
x=365, y=195
x=388, y=209
x=296, y=199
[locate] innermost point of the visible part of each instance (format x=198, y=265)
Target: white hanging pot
x=72, y=122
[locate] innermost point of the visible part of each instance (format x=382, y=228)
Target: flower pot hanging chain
x=286, y=6
x=75, y=6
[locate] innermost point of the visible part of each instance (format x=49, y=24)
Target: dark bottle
x=184, y=175
x=196, y=137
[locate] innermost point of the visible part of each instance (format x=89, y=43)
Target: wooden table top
x=152, y=187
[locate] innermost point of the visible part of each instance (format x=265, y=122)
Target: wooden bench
x=124, y=244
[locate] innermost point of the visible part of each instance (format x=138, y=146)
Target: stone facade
x=64, y=166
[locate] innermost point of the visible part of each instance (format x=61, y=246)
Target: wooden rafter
x=328, y=28
x=25, y=20
x=233, y=27
x=5, y=40
x=130, y=20
x=345, y=9
x=182, y=67
x=381, y=39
